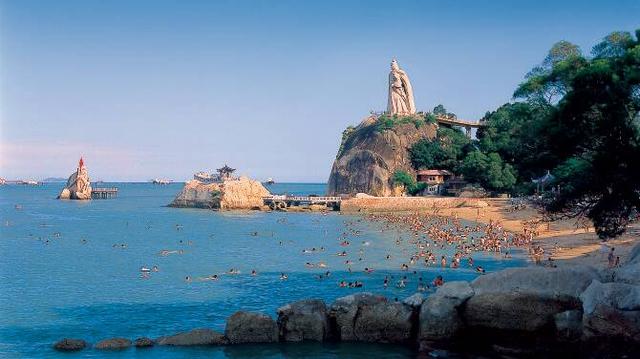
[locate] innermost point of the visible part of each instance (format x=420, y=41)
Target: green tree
x=489, y=171
x=444, y=152
x=406, y=180
x=546, y=84
x=588, y=132
x=613, y=45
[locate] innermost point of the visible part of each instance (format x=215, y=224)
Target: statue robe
x=400, y=94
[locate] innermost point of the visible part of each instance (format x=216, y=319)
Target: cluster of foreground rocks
x=534, y=311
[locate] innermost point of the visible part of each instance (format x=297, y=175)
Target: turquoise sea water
x=72, y=269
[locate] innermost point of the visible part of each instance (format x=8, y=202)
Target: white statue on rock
x=400, y=92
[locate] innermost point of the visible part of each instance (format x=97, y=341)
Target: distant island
x=53, y=179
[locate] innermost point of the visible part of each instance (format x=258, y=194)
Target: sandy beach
x=568, y=241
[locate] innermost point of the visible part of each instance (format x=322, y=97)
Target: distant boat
x=270, y=181
x=161, y=181
x=30, y=182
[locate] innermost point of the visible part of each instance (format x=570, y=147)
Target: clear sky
x=147, y=89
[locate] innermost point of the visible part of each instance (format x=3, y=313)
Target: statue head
x=394, y=65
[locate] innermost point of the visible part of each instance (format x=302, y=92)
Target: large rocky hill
x=370, y=154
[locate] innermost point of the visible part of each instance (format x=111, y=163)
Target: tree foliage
x=443, y=152
x=589, y=136
x=489, y=171
x=403, y=178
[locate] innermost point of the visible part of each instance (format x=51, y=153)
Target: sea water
x=72, y=269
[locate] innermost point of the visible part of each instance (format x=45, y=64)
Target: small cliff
x=78, y=185
x=242, y=193
x=371, y=152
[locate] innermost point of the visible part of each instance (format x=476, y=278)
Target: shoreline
x=564, y=240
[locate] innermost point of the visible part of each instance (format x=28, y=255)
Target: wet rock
x=194, y=337
x=344, y=310
x=385, y=322
x=439, y=317
x=303, y=320
x=144, y=342
x=70, y=344
x=113, y=344
x=612, y=310
x=245, y=327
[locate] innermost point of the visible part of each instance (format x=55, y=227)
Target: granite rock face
x=439, y=317
x=515, y=312
x=303, y=320
x=385, y=322
x=245, y=327
x=568, y=281
x=369, y=156
x=242, y=193
x=344, y=311
x=612, y=310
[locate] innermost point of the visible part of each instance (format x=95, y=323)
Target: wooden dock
x=104, y=193
x=285, y=201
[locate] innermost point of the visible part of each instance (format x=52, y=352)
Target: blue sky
x=147, y=89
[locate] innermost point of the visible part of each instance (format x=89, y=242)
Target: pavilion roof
x=225, y=169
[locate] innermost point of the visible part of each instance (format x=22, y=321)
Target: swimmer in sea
x=254, y=273
x=479, y=269
x=283, y=276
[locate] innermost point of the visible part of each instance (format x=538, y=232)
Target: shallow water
x=72, y=269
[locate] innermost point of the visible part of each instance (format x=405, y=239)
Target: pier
x=104, y=193
x=283, y=202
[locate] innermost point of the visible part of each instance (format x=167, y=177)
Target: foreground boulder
x=245, y=327
x=385, y=322
x=113, y=344
x=612, y=310
x=629, y=272
x=526, y=300
x=344, y=310
x=194, y=337
x=303, y=320
x=439, y=317
x=241, y=193
x=515, y=312
x=569, y=281
x=70, y=344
